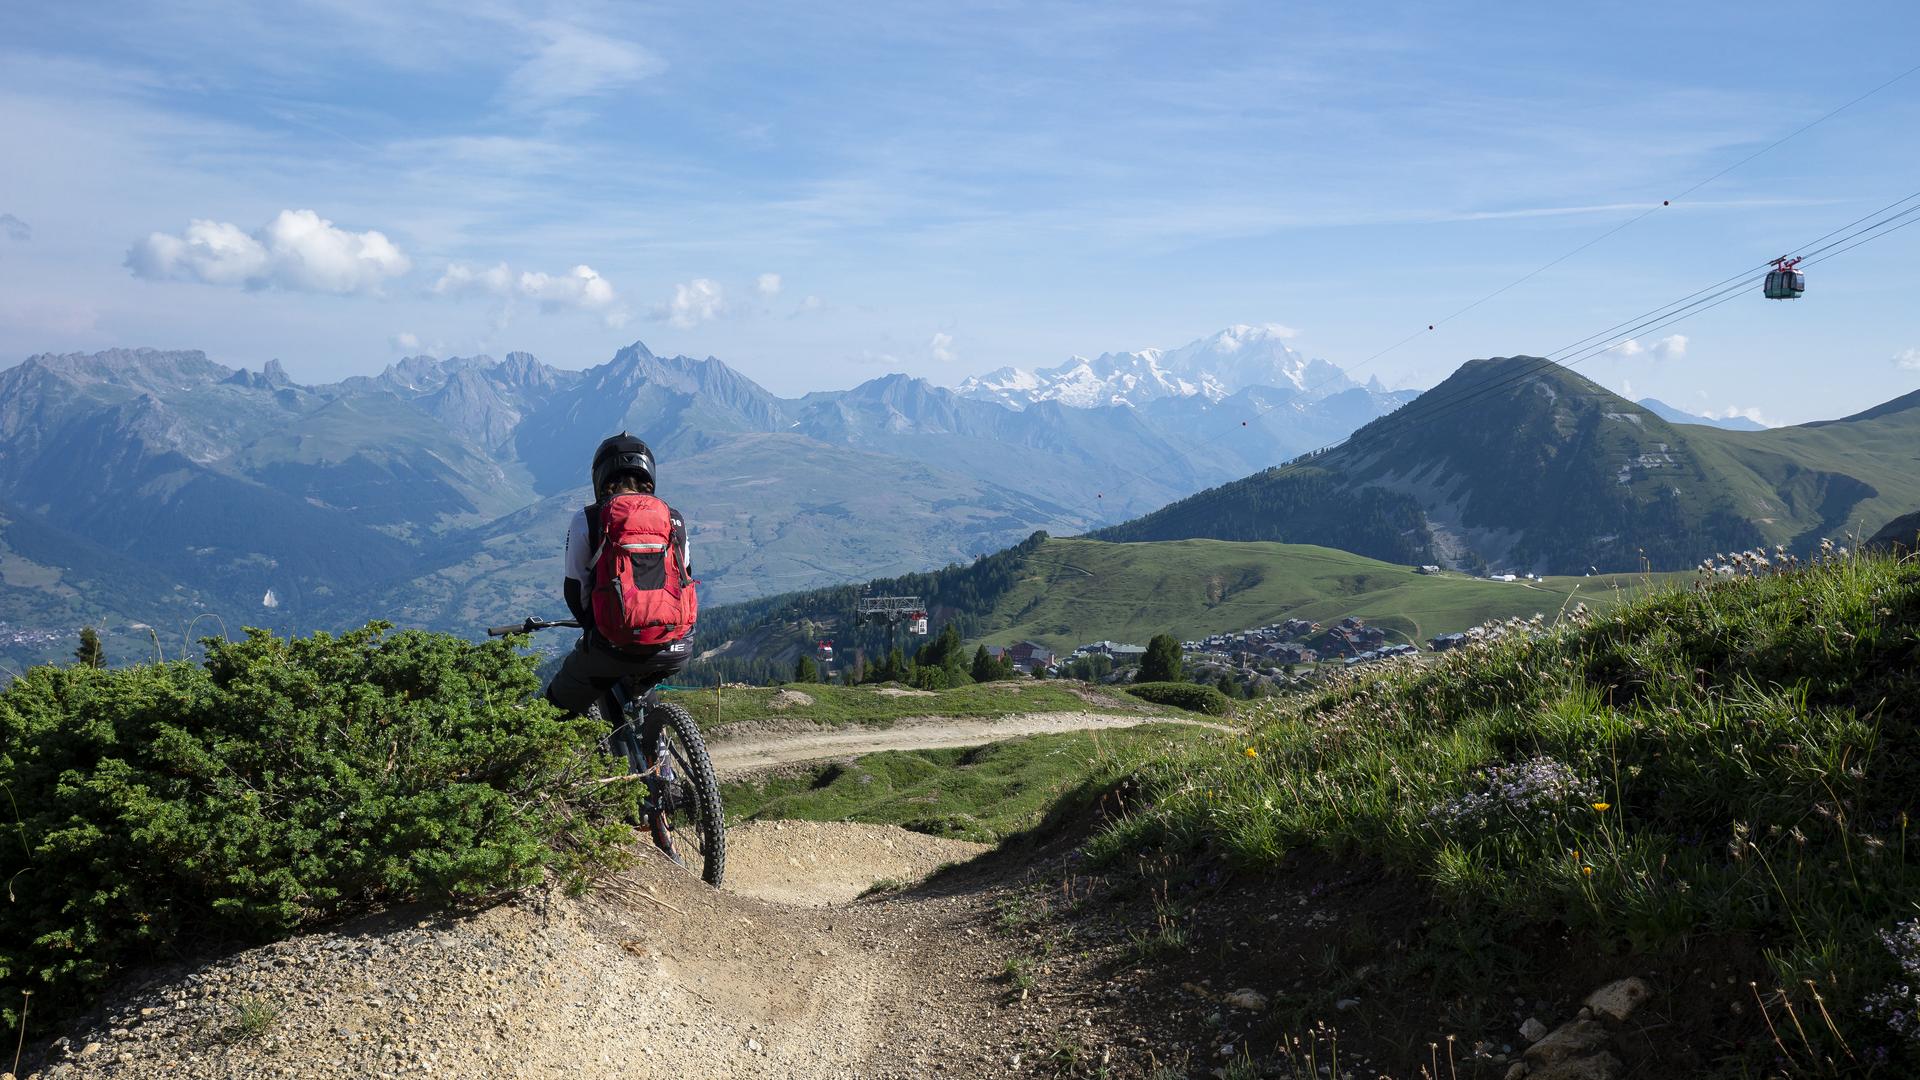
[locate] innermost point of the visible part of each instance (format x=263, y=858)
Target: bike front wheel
x=685, y=818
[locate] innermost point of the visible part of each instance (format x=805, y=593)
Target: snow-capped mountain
x=1213, y=367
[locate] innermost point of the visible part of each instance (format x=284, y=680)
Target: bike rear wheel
x=687, y=822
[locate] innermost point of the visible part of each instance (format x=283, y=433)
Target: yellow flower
x=1587, y=870
x=1603, y=807
x=1251, y=752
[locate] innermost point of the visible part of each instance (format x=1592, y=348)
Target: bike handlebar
x=530, y=626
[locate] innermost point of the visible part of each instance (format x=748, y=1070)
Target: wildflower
x=1603, y=807
x=1535, y=792
x=1251, y=752
x=1898, y=1003
x=1587, y=870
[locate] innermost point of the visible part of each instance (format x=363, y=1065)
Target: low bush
x=284, y=784
x=1181, y=695
x=1740, y=759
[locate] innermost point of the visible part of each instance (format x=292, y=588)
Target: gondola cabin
x=1784, y=282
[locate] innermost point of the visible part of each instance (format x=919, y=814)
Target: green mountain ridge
x=1515, y=463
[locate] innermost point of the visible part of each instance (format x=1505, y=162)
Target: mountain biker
x=631, y=640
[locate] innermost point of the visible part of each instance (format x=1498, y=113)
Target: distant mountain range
x=1235, y=359
x=1520, y=464
x=1680, y=416
x=144, y=485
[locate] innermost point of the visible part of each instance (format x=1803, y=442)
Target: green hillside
x=1074, y=591
x=1711, y=788
x=1519, y=464
x=1066, y=592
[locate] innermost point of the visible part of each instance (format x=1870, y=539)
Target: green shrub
x=283, y=784
x=1189, y=696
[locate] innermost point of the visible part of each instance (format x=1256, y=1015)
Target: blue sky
x=822, y=193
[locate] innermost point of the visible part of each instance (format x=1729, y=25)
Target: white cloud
x=406, y=341
x=579, y=289
x=14, y=229
x=459, y=279
x=696, y=301
x=572, y=63
x=1671, y=347
x=1908, y=358
x=768, y=284
x=942, y=346
x=1730, y=412
x=298, y=250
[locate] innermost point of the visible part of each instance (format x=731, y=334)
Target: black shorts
x=594, y=667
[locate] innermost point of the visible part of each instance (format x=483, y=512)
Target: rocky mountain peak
x=158, y=370
x=1213, y=367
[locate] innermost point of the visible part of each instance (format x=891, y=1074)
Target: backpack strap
x=677, y=539
x=596, y=535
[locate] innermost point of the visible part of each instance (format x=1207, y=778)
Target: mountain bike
x=663, y=747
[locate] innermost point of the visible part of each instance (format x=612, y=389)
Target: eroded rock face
x=1616, y=1001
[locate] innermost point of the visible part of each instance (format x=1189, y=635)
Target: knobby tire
x=700, y=787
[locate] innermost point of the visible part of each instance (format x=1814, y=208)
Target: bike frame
x=656, y=769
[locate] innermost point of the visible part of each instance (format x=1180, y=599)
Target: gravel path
x=655, y=975
x=819, y=864
x=751, y=750
x=783, y=974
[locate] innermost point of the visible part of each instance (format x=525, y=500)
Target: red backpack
x=641, y=592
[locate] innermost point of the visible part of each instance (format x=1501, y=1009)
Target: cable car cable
x=1612, y=331
x=1667, y=315
x=1672, y=312
x=1637, y=218
x=1640, y=322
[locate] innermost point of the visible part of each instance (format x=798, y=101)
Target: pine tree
x=90, y=653
x=1162, y=661
x=805, y=670
x=983, y=666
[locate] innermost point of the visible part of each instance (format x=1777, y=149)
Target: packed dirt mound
x=655, y=975
x=744, y=748
x=814, y=863
x=788, y=699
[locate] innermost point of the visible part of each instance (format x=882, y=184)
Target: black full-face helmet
x=618, y=456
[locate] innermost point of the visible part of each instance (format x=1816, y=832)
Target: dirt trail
x=787, y=972
x=786, y=745
x=654, y=975
x=818, y=864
